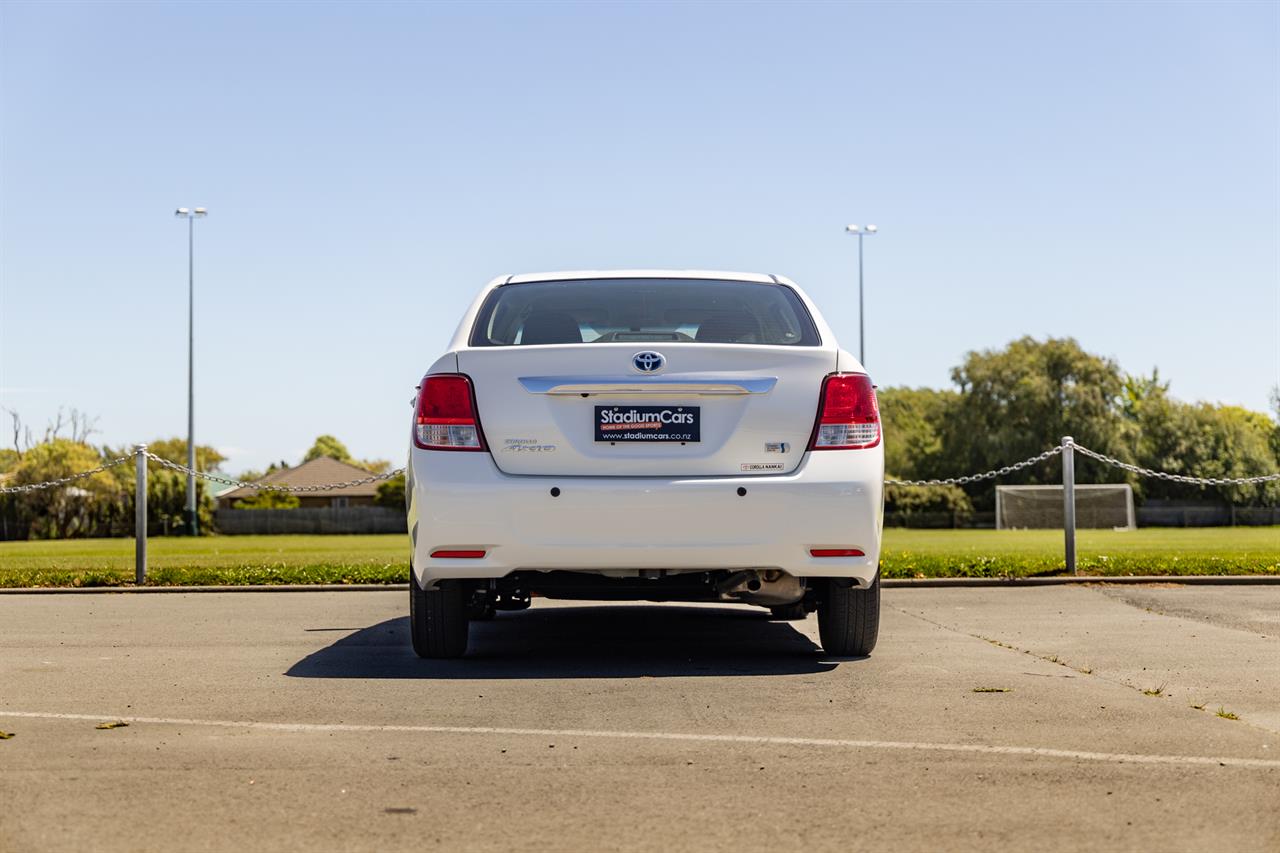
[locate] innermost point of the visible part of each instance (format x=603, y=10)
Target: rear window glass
x=643, y=310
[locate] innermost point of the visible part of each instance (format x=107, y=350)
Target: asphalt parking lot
x=1051, y=718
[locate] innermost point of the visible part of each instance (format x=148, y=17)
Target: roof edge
x=573, y=275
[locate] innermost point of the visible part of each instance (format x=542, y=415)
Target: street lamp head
x=853, y=229
x=871, y=229
x=200, y=211
x=182, y=211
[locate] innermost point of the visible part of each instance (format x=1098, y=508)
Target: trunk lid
x=568, y=410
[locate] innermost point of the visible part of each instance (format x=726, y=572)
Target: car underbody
x=763, y=587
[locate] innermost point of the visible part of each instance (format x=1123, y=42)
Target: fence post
x=1069, y=501
x=140, y=516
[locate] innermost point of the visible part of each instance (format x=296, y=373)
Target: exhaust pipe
x=773, y=588
x=734, y=583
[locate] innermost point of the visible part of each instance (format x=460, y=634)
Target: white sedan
x=645, y=435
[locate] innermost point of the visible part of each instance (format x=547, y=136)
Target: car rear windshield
x=643, y=310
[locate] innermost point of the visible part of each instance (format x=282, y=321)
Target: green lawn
x=383, y=559
x=208, y=560
x=1017, y=553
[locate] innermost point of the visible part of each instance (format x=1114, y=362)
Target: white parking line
x=764, y=740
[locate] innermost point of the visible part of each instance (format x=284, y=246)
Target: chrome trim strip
x=630, y=385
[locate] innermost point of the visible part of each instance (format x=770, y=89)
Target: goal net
x=1108, y=505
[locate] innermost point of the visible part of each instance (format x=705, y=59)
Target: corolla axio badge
x=648, y=362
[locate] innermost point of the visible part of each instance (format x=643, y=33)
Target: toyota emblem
x=648, y=362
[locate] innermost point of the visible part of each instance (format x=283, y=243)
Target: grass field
x=1019, y=553
x=383, y=559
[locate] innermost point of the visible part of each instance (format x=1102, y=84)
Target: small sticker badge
x=762, y=466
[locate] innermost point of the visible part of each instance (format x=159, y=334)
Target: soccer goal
x=1105, y=505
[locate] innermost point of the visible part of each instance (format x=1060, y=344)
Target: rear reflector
x=848, y=416
x=446, y=417
x=835, y=552
x=457, y=555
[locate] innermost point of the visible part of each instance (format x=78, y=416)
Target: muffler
x=768, y=588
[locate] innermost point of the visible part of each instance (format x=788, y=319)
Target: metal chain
x=985, y=475
x=949, y=481
x=62, y=481
x=271, y=487
x=1178, y=478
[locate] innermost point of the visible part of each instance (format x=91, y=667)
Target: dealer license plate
x=648, y=423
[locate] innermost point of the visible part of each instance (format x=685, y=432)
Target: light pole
x=192, y=517
x=868, y=231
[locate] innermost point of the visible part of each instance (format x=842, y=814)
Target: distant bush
x=391, y=493
x=269, y=499
x=917, y=499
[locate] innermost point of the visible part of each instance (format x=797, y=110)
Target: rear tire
x=438, y=619
x=789, y=612
x=849, y=619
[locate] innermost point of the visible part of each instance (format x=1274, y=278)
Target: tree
x=82, y=508
x=175, y=450
x=391, y=493
x=167, y=489
x=327, y=445
x=1140, y=391
x=1235, y=442
x=1202, y=440
x=79, y=424
x=912, y=419
x=21, y=433
x=252, y=475
x=374, y=466
x=1275, y=426
x=1016, y=402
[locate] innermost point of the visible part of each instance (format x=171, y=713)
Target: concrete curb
x=888, y=583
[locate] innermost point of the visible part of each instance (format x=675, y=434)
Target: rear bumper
x=461, y=501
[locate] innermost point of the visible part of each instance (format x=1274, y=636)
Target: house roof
x=317, y=472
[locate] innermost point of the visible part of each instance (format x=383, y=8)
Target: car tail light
x=444, y=554
x=835, y=552
x=446, y=418
x=848, y=416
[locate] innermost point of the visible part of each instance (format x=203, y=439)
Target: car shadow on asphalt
x=599, y=641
